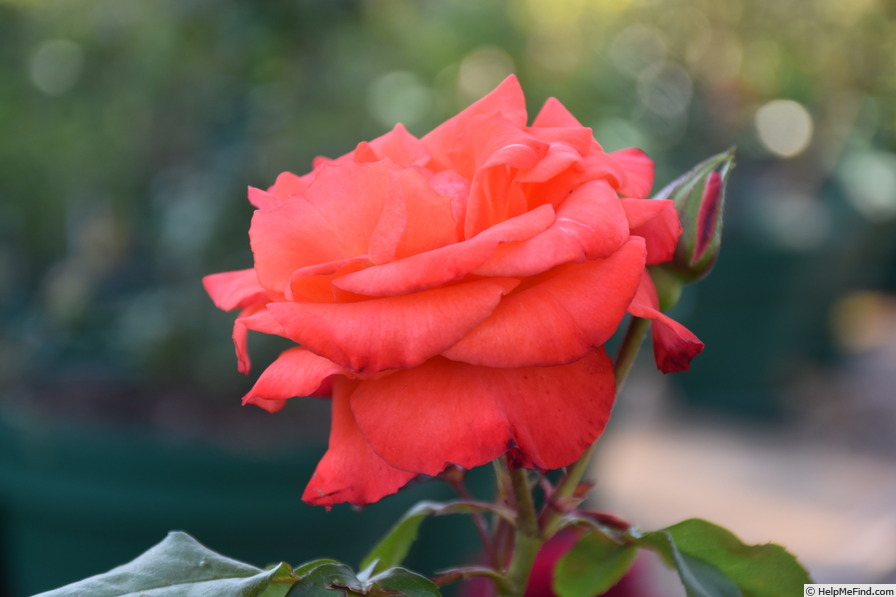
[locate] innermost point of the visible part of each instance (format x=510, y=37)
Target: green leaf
x=405, y=582
x=394, y=546
x=307, y=567
x=178, y=567
x=712, y=561
x=699, y=578
x=592, y=566
x=323, y=578
x=758, y=570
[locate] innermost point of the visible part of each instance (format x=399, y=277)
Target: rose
x=452, y=294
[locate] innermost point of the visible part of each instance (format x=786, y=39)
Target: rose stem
x=527, y=539
x=502, y=539
x=625, y=358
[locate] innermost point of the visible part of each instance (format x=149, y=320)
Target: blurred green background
x=129, y=131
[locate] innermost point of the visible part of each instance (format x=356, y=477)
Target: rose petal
x=351, y=471
x=559, y=157
x=262, y=199
x=590, y=224
x=673, y=344
x=416, y=218
x=598, y=165
x=554, y=114
x=446, y=264
x=493, y=199
x=315, y=282
x=296, y=372
x=655, y=220
x=401, y=147
x=560, y=317
x=254, y=317
x=638, y=168
x=364, y=153
x=391, y=332
x=595, y=166
x=449, y=141
x=232, y=290
x=286, y=185
x=445, y=412
x=456, y=188
x=333, y=219
x=641, y=211
x=495, y=150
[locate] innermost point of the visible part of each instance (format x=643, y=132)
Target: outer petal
x=262, y=199
x=673, y=344
x=638, y=169
x=590, y=224
x=232, y=290
x=254, y=317
x=391, y=332
x=655, y=220
x=296, y=372
x=558, y=318
x=446, y=264
x=445, y=412
x=351, y=471
x=286, y=185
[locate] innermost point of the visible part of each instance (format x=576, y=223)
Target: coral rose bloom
x=452, y=294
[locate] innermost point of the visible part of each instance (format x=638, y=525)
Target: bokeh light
x=784, y=127
x=481, y=70
x=399, y=96
x=56, y=65
x=869, y=178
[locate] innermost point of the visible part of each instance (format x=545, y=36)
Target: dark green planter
x=763, y=313
x=79, y=500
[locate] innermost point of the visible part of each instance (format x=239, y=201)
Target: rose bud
x=699, y=197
